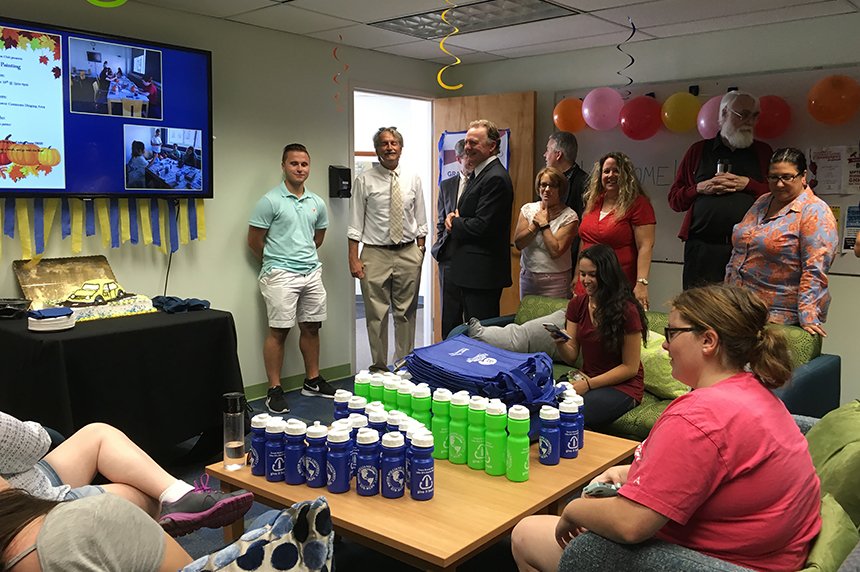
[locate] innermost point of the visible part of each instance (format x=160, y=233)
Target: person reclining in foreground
x=724, y=472
x=66, y=472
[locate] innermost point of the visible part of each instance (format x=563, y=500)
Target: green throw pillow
x=532, y=307
x=802, y=346
x=837, y=538
x=658, y=371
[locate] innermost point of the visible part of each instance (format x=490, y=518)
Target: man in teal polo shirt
x=286, y=229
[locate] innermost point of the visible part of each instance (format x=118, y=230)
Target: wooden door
x=514, y=111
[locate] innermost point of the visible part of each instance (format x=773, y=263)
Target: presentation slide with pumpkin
x=31, y=110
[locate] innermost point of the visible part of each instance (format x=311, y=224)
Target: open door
x=514, y=111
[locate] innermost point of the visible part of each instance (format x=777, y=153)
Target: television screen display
x=91, y=115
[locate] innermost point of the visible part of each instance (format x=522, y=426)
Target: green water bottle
x=475, y=432
x=495, y=438
x=376, y=381
x=439, y=424
x=421, y=403
x=389, y=392
x=362, y=384
x=517, y=454
x=457, y=428
x=404, y=396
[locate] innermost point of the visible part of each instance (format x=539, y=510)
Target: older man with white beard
x=717, y=182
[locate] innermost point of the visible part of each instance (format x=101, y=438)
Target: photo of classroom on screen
x=113, y=79
x=168, y=158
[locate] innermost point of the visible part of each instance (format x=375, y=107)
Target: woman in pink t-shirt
x=723, y=479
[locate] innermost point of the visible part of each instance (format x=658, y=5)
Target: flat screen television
x=91, y=115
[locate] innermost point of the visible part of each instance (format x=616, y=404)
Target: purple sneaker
x=203, y=507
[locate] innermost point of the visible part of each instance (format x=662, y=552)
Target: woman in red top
x=618, y=213
x=608, y=326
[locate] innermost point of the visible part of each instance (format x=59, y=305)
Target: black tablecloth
x=158, y=377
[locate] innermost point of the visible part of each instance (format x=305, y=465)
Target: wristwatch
x=544, y=227
x=643, y=281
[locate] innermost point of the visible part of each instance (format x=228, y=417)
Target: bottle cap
x=295, y=427
x=367, y=436
x=405, y=423
x=518, y=413
x=404, y=374
x=569, y=406
x=394, y=417
x=422, y=391
x=422, y=439
x=259, y=421
x=391, y=384
x=569, y=394
x=357, y=402
x=414, y=428
x=233, y=402
x=579, y=400
x=393, y=439
x=442, y=394
x=374, y=406
x=362, y=377
x=357, y=420
x=377, y=416
x=496, y=407
x=460, y=398
x=405, y=387
x=342, y=396
x=341, y=425
x=275, y=425
x=549, y=413
x=338, y=436
x=478, y=403
x=376, y=380
x=317, y=430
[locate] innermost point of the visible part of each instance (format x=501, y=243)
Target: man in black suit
x=561, y=151
x=476, y=250
x=450, y=191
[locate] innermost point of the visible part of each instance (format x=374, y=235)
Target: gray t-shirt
x=105, y=533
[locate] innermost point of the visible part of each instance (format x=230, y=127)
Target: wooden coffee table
x=470, y=510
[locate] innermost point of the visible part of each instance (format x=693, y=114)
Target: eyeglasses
x=671, y=333
x=547, y=186
x=746, y=115
x=381, y=129
x=783, y=178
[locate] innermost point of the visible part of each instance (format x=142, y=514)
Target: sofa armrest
x=500, y=321
x=814, y=388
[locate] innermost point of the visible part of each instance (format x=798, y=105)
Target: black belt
x=392, y=246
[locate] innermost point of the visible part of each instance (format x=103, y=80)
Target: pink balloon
x=601, y=107
x=709, y=116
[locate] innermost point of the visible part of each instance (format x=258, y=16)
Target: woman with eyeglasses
x=618, y=213
x=784, y=246
x=724, y=478
x=607, y=325
x=545, y=231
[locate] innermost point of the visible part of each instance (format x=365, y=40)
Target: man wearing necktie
x=477, y=252
x=386, y=215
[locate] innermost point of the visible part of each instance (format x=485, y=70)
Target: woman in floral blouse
x=783, y=247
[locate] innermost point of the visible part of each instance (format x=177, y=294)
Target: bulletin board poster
x=835, y=170
x=448, y=165
x=31, y=110
x=851, y=226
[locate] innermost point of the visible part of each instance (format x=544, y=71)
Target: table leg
x=233, y=531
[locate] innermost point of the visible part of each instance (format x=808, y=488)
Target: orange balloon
x=567, y=115
x=834, y=99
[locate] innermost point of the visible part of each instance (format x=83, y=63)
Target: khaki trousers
x=391, y=280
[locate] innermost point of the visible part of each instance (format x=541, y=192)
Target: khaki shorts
x=292, y=297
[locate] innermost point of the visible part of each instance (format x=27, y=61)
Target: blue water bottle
x=569, y=429
x=275, y=449
x=422, y=467
x=315, y=455
x=413, y=426
x=357, y=421
x=357, y=404
x=367, y=468
x=337, y=461
x=393, y=423
x=580, y=420
x=294, y=452
x=378, y=420
x=258, y=444
x=550, y=437
x=393, y=477
x=341, y=403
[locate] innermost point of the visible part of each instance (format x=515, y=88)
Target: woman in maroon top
x=607, y=325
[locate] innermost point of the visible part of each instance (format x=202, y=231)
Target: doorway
x=413, y=118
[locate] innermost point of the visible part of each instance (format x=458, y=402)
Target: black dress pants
x=705, y=262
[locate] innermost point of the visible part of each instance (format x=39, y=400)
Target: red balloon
x=774, y=119
x=641, y=117
x=567, y=115
x=834, y=99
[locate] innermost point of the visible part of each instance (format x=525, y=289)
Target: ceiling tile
x=373, y=10
x=592, y=5
x=470, y=58
x=424, y=50
x=570, y=45
x=558, y=29
x=362, y=36
x=288, y=18
x=662, y=12
x=216, y=8
x=785, y=14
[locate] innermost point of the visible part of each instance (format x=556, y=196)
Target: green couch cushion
x=834, y=445
x=802, y=345
x=637, y=422
x=837, y=538
x=532, y=307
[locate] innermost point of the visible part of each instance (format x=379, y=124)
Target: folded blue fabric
x=176, y=305
x=49, y=313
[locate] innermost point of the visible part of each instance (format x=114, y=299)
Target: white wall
x=269, y=89
x=828, y=42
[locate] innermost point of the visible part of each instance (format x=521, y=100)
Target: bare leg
x=273, y=354
x=100, y=448
x=309, y=344
x=533, y=543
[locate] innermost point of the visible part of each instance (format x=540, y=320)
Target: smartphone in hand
x=556, y=332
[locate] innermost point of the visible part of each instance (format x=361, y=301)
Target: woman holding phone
x=608, y=326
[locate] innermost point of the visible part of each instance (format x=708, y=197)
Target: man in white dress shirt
x=387, y=215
